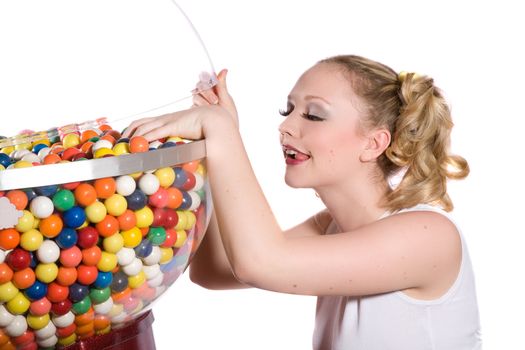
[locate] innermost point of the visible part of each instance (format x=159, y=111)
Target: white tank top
x=395, y=321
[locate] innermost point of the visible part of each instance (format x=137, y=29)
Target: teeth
x=290, y=152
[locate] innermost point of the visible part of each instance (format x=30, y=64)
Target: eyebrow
x=313, y=97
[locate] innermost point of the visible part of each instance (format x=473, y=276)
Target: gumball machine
x=94, y=227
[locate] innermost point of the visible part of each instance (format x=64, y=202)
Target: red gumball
x=71, y=186
x=160, y=198
x=171, y=218
x=18, y=259
x=159, y=217
x=190, y=182
x=87, y=237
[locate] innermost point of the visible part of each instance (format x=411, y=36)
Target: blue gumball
x=74, y=217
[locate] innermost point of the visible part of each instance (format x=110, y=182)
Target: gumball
x=41, y=207
x=137, y=200
x=67, y=238
x=6, y=273
x=57, y=292
x=181, y=238
x=46, y=335
x=5, y=160
x=190, y=182
x=64, y=200
x=91, y=256
x=144, y=248
x=144, y=217
x=7, y=292
x=166, y=176
x=51, y=226
x=30, y=193
x=96, y=212
x=37, y=291
x=171, y=218
x=9, y=238
x=149, y=184
x=62, y=307
x=113, y=243
x=51, y=158
x=86, y=274
x=121, y=148
x=31, y=240
x=48, y=252
x=71, y=257
x=17, y=327
x=125, y=256
x=195, y=200
x=46, y=273
x=78, y=292
x=85, y=194
x=24, y=278
x=103, y=152
x=174, y=197
x=38, y=322
x=127, y=220
x=153, y=258
x=138, y=144
x=159, y=217
x=166, y=254
x=18, y=259
x=99, y=295
x=133, y=268
x=168, y=144
x=22, y=164
x=87, y=134
x=74, y=217
x=186, y=201
x=71, y=140
x=19, y=304
x=108, y=226
x=131, y=237
x=116, y=204
x=5, y=317
x=25, y=222
x=120, y=282
x=64, y=320
x=40, y=307
x=18, y=198
x=103, y=308
x=171, y=238
x=87, y=237
x=107, y=262
x=137, y=280
x=151, y=270
x=105, y=187
x=103, y=280
x=125, y=185
x=160, y=198
x=70, y=153
x=66, y=275
x=100, y=144
x=47, y=191
x=157, y=235
x=181, y=177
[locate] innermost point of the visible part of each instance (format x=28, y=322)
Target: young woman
x=389, y=266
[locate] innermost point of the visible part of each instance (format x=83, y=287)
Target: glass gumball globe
x=94, y=228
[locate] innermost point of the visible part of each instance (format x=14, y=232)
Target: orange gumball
x=127, y=220
x=18, y=199
x=9, y=238
x=51, y=226
x=6, y=274
x=191, y=166
x=52, y=158
x=85, y=194
x=105, y=187
x=86, y=135
x=174, y=197
x=91, y=255
x=108, y=226
x=24, y=278
x=66, y=275
x=138, y=144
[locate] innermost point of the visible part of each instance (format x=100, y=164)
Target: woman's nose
x=288, y=126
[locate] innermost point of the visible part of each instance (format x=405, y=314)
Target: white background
x=474, y=52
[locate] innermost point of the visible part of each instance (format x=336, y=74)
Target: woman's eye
x=312, y=117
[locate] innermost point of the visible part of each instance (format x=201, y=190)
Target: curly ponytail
x=419, y=120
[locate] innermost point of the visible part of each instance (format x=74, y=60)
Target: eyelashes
x=290, y=108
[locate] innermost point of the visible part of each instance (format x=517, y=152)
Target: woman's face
x=321, y=136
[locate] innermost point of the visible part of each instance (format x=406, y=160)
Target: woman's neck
x=353, y=206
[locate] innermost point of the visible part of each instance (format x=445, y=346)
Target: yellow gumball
x=102, y=152
x=132, y=237
x=37, y=322
x=67, y=340
x=116, y=205
x=19, y=304
x=113, y=243
x=166, y=254
x=46, y=273
x=166, y=176
x=7, y=292
x=26, y=222
x=31, y=240
x=107, y=262
x=137, y=280
x=22, y=164
x=144, y=217
x=96, y=212
x=121, y=148
x=181, y=238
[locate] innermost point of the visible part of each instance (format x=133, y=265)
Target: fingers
x=130, y=130
x=199, y=101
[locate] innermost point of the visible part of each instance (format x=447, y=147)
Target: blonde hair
x=419, y=120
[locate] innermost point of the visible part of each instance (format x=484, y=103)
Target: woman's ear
x=378, y=142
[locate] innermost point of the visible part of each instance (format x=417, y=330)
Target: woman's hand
x=193, y=124
x=218, y=95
